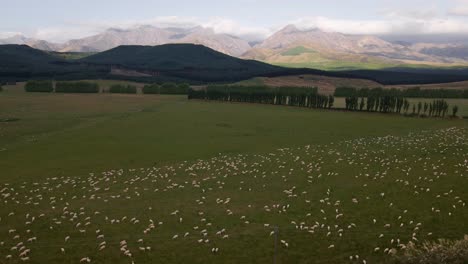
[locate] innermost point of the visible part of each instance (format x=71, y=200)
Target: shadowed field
x=327, y=85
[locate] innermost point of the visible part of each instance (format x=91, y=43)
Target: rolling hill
x=25, y=58
x=189, y=61
x=174, y=57
x=181, y=62
x=21, y=62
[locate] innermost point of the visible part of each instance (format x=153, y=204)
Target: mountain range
x=192, y=63
x=289, y=46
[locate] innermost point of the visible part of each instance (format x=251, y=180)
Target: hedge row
x=166, y=88
x=90, y=87
x=76, y=87
x=39, y=86
x=120, y=88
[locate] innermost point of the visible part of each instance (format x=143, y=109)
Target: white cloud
x=341, y=25
x=403, y=25
x=424, y=21
x=227, y=26
x=461, y=9
x=8, y=34
x=421, y=14
x=79, y=29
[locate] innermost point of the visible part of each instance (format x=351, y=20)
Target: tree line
x=47, y=86
x=121, y=88
x=400, y=105
x=166, y=88
x=76, y=87
x=61, y=87
x=39, y=86
x=408, y=93
x=384, y=104
x=292, y=96
x=309, y=97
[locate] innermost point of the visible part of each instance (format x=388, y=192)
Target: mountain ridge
x=329, y=47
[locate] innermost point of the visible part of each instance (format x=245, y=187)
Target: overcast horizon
x=59, y=21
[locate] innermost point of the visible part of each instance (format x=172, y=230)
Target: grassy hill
x=174, y=57
x=187, y=62
x=196, y=64
x=25, y=58
x=21, y=62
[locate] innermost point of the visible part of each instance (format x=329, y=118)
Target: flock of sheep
x=356, y=201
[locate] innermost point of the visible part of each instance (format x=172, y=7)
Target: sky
x=61, y=20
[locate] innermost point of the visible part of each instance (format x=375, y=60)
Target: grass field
x=122, y=178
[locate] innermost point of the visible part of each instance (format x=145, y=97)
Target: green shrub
x=1, y=88
x=120, y=88
x=76, y=87
x=39, y=86
x=439, y=252
x=151, y=89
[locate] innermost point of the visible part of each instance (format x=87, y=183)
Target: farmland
x=138, y=178
x=327, y=85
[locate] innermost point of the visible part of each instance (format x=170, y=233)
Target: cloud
x=397, y=22
x=8, y=34
x=227, y=26
x=79, y=29
x=403, y=25
x=461, y=9
x=422, y=14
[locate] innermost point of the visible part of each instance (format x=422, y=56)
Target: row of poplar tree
x=292, y=96
x=376, y=100
x=394, y=104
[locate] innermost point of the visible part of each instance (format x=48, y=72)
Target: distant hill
x=174, y=57
x=169, y=62
x=190, y=61
x=34, y=43
x=149, y=35
x=24, y=58
x=20, y=62
x=183, y=62
x=141, y=35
